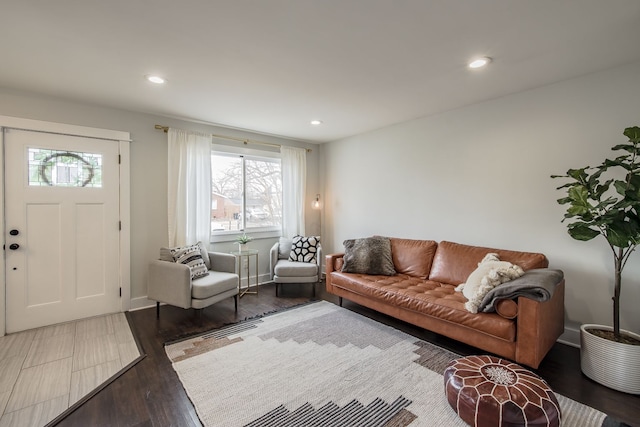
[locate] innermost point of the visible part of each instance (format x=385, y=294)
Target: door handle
x=14, y=246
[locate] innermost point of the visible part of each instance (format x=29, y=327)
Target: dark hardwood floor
x=150, y=394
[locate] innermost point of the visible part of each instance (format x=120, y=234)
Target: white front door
x=61, y=228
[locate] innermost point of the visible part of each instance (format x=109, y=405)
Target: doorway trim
x=124, y=140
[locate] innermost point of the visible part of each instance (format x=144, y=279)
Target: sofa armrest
x=222, y=262
x=333, y=262
x=539, y=324
x=169, y=282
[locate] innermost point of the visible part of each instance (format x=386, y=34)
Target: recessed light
x=155, y=79
x=316, y=122
x=479, y=62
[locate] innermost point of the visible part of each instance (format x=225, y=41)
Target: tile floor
x=44, y=371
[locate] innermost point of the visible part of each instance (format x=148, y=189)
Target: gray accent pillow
x=284, y=248
x=369, y=255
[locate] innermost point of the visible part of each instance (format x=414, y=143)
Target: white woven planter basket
x=612, y=364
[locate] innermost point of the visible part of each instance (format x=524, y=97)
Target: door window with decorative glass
x=64, y=168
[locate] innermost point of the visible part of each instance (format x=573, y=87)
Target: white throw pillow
x=490, y=273
x=304, y=249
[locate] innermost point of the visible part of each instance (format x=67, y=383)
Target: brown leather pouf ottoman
x=488, y=391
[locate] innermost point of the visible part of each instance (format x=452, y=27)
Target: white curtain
x=294, y=184
x=189, y=188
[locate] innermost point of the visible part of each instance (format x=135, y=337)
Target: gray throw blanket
x=537, y=284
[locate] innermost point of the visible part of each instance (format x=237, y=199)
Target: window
x=246, y=193
x=64, y=168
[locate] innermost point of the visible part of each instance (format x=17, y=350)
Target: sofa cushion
x=454, y=262
x=413, y=257
x=216, y=282
x=192, y=257
x=427, y=298
x=369, y=255
x=304, y=249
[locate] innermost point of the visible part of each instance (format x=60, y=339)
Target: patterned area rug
x=323, y=365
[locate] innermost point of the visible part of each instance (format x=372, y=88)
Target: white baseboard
x=141, y=302
x=571, y=336
x=262, y=279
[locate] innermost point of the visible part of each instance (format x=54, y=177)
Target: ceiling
x=272, y=66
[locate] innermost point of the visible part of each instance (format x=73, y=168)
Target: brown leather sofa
x=422, y=293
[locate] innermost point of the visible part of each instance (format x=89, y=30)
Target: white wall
x=148, y=171
x=481, y=175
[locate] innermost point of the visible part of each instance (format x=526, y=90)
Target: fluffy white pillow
x=490, y=273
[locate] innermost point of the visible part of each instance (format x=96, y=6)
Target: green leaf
x=579, y=196
x=581, y=231
x=578, y=174
x=600, y=189
x=634, y=226
x=618, y=233
x=627, y=147
x=576, y=210
x=634, y=182
x=633, y=196
x=619, y=162
x=633, y=133
x=621, y=187
x=567, y=185
x=596, y=175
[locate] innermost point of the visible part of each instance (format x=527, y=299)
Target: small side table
x=248, y=253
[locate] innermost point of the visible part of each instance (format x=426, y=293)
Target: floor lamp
x=316, y=205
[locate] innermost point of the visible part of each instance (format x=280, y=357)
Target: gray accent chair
x=285, y=271
x=171, y=283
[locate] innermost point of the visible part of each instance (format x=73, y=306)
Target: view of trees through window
x=246, y=193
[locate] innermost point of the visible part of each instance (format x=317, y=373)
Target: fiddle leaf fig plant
x=604, y=201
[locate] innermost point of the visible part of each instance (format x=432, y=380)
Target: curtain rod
x=245, y=141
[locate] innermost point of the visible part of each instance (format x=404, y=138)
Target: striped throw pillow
x=191, y=256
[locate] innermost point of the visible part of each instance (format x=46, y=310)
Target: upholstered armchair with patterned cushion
x=296, y=260
x=192, y=277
